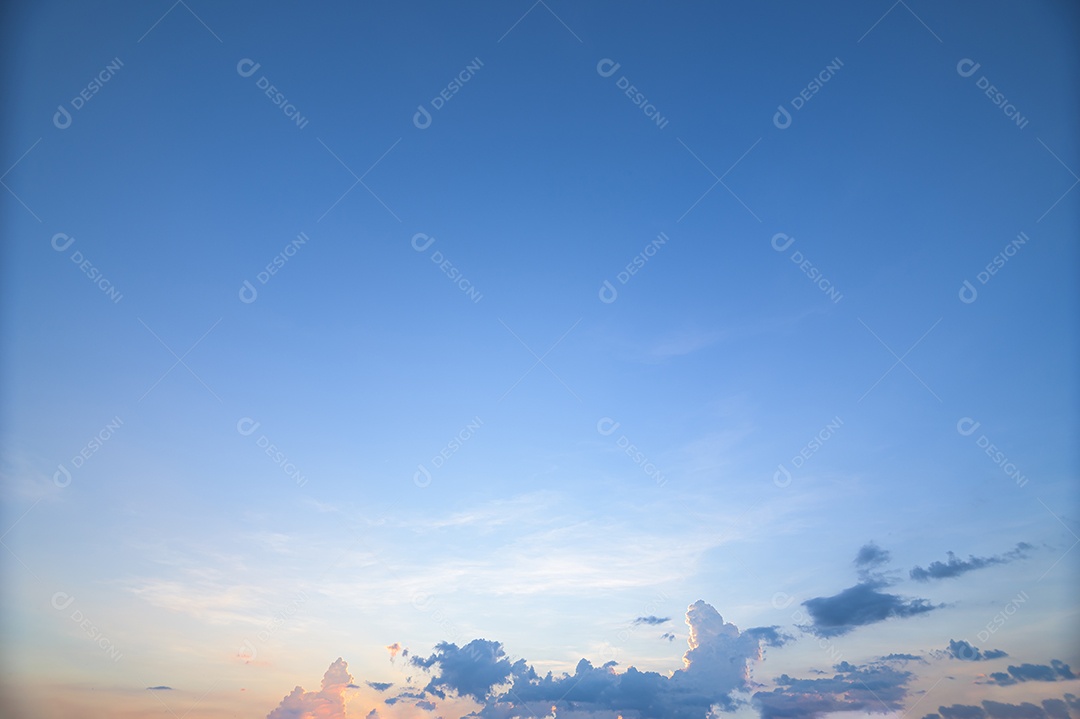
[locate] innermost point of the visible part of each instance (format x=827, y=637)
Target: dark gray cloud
x=964, y=651
x=402, y=696
x=1050, y=709
x=159, y=689
x=962, y=711
x=1056, y=671
x=871, y=555
x=716, y=664
x=380, y=686
x=999, y=710
x=769, y=636
x=860, y=605
x=651, y=620
x=868, y=559
x=1055, y=709
x=955, y=567
x=668, y=635
x=852, y=688
x=902, y=658
x=470, y=671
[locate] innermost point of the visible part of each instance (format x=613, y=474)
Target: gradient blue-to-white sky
x=731, y=342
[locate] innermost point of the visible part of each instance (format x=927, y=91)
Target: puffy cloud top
x=329, y=703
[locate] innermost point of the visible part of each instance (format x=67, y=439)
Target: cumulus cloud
x=955, y=567
x=470, y=671
x=716, y=664
x=860, y=605
x=651, y=620
x=1056, y=671
x=329, y=703
x=964, y=651
x=852, y=688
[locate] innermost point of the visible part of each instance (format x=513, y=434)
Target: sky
x=672, y=360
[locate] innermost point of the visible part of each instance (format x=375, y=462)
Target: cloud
x=962, y=650
x=770, y=636
x=1055, y=709
x=1050, y=709
x=426, y=705
x=860, y=605
x=329, y=703
x=380, y=686
x=894, y=657
x=651, y=620
x=1056, y=671
x=955, y=567
x=470, y=671
x=159, y=689
x=962, y=711
x=394, y=650
x=668, y=635
x=870, y=557
x=716, y=663
x=999, y=710
x=852, y=688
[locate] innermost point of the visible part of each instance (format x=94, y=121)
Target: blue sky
x=734, y=343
